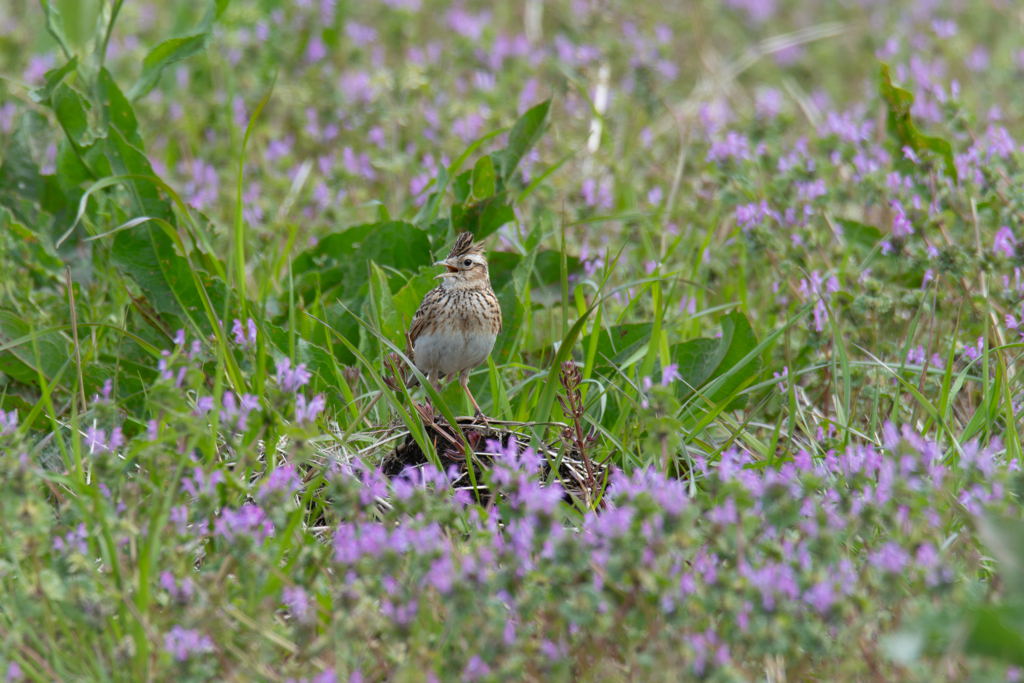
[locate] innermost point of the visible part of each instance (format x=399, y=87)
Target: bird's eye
x=467, y=263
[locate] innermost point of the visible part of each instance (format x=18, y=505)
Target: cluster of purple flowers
x=829, y=556
x=291, y=379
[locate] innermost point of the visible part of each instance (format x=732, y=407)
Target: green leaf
x=462, y=186
x=483, y=178
x=902, y=125
x=340, y=260
x=71, y=172
x=117, y=111
x=164, y=55
x=387, y=321
x=55, y=25
x=859, y=234
x=409, y=297
x=619, y=342
x=72, y=112
x=513, y=315
x=1004, y=537
x=702, y=361
x=19, y=174
x=20, y=361
x=429, y=209
x=126, y=159
x=482, y=218
x=525, y=134
x=222, y=6
x=53, y=78
x=996, y=635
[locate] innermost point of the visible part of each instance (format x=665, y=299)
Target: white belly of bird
x=449, y=351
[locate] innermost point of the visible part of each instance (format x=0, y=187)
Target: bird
x=454, y=329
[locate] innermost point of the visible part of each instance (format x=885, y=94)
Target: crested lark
x=454, y=328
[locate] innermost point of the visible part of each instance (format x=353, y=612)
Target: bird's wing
x=419, y=319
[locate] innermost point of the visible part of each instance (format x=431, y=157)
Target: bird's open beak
x=452, y=270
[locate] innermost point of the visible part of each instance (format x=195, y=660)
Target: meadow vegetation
x=754, y=410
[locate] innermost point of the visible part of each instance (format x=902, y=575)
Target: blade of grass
x=239, y=227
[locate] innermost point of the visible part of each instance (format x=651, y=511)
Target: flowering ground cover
x=754, y=410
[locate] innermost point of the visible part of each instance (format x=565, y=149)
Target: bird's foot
x=480, y=416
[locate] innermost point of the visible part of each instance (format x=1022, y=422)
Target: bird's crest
x=464, y=245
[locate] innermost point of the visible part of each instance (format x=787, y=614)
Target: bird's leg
x=435, y=382
x=464, y=382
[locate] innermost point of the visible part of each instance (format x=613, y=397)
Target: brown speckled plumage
x=454, y=329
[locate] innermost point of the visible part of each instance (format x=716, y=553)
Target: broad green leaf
x=428, y=211
x=117, y=111
x=902, y=125
x=340, y=260
x=20, y=361
x=387, y=322
x=52, y=79
x=19, y=174
x=483, y=178
x=55, y=25
x=859, y=234
x=525, y=134
x=997, y=634
x=702, y=361
x=482, y=218
x=462, y=187
x=71, y=172
x=618, y=343
x=513, y=314
x=126, y=159
x=1004, y=537
x=72, y=112
x=164, y=55
x=409, y=297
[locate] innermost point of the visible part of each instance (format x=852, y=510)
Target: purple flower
x=283, y=478
x=244, y=337
x=759, y=11
x=468, y=25
x=204, y=404
x=183, y=592
x=8, y=422
x=655, y=196
x=1004, y=242
x=978, y=60
x=202, y=189
x=901, y=226
x=236, y=412
x=96, y=440
x=356, y=87
x=197, y=485
x=315, y=50
x=297, y=601
x=38, y=65
x=249, y=520
x=290, y=380
x=182, y=643
x=14, y=673
x=944, y=28
x=735, y=146
x=669, y=374
x=307, y=412
x=890, y=558
x=768, y=103
x=73, y=541
x=359, y=34
x=476, y=669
